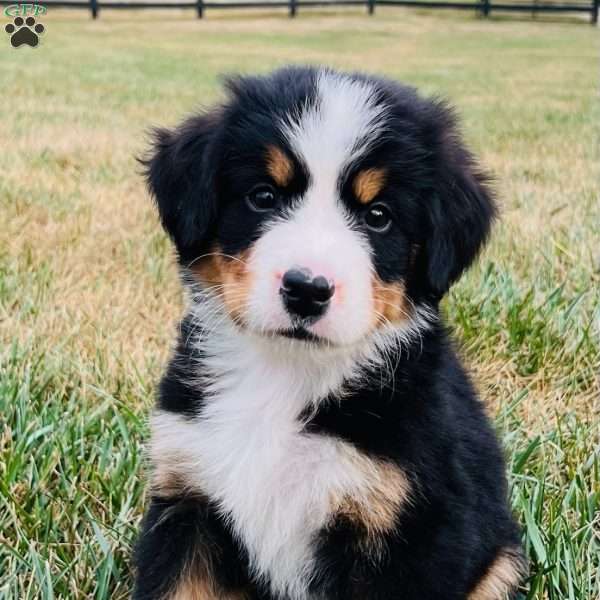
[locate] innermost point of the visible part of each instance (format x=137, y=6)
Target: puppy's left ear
x=460, y=210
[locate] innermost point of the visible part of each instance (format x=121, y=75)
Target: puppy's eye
x=378, y=218
x=262, y=198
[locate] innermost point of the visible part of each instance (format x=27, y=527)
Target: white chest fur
x=248, y=453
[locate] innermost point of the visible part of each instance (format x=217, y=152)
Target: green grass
x=89, y=297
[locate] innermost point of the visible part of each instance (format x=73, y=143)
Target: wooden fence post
x=94, y=8
x=371, y=6
x=293, y=8
x=200, y=8
x=595, y=6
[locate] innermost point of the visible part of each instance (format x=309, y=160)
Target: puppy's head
x=321, y=206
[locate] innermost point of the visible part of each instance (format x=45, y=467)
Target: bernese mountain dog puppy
x=315, y=435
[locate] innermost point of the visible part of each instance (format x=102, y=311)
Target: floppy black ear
x=181, y=179
x=460, y=212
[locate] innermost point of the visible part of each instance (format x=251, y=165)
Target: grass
x=89, y=297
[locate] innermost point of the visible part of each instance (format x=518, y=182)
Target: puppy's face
x=321, y=206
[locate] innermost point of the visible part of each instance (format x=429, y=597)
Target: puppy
x=315, y=436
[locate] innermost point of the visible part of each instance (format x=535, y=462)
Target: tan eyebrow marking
x=368, y=183
x=279, y=166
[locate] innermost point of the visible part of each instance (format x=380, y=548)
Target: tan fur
x=229, y=277
x=389, y=301
x=279, y=166
x=502, y=577
x=190, y=590
x=387, y=491
x=195, y=589
x=368, y=184
x=166, y=481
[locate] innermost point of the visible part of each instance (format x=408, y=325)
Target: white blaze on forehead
x=337, y=128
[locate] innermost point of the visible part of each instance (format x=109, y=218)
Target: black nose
x=305, y=296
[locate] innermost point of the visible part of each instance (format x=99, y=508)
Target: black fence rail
x=482, y=7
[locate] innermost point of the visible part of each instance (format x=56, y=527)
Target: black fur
x=430, y=421
x=182, y=535
x=426, y=419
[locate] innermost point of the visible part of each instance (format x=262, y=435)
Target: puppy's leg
x=502, y=577
x=185, y=553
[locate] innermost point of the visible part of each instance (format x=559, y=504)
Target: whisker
x=221, y=254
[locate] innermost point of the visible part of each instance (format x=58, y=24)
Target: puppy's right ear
x=181, y=178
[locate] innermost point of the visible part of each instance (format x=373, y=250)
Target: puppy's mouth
x=302, y=334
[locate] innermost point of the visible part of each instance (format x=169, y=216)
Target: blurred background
x=89, y=297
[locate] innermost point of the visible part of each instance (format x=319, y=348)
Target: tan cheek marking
x=368, y=184
x=230, y=278
x=279, y=166
x=502, y=578
x=386, y=492
x=389, y=302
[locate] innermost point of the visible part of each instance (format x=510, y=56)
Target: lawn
x=89, y=297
